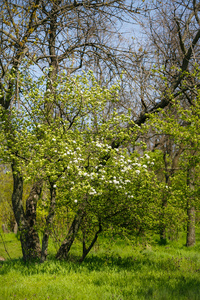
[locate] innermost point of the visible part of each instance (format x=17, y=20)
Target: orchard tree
x=57, y=35
x=71, y=152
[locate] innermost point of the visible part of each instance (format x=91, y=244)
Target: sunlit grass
x=115, y=269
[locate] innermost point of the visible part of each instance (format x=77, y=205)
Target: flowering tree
x=74, y=151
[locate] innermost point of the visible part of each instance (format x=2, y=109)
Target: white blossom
x=116, y=181
x=137, y=172
x=92, y=191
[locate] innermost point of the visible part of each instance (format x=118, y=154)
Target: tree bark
x=49, y=223
x=191, y=227
x=26, y=221
x=32, y=241
x=190, y=241
x=163, y=236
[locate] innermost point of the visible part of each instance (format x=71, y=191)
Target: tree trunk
x=190, y=206
x=49, y=222
x=191, y=227
x=73, y=230
x=26, y=222
x=32, y=241
x=163, y=236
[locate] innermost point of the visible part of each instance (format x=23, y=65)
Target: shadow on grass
x=140, y=261
x=153, y=277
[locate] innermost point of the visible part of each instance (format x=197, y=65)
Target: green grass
x=115, y=269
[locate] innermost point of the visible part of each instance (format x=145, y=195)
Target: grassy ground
x=114, y=270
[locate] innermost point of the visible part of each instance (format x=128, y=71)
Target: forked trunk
x=87, y=250
x=73, y=230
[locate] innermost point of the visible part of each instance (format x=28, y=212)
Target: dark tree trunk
x=163, y=236
x=191, y=227
x=190, y=207
x=73, y=230
x=49, y=223
x=26, y=222
x=32, y=241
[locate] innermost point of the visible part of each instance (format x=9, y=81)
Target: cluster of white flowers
x=116, y=181
x=69, y=152
x=137, y=165
x=127, y=181
x=98, y=145
x=126, y=168
x=92, y=191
